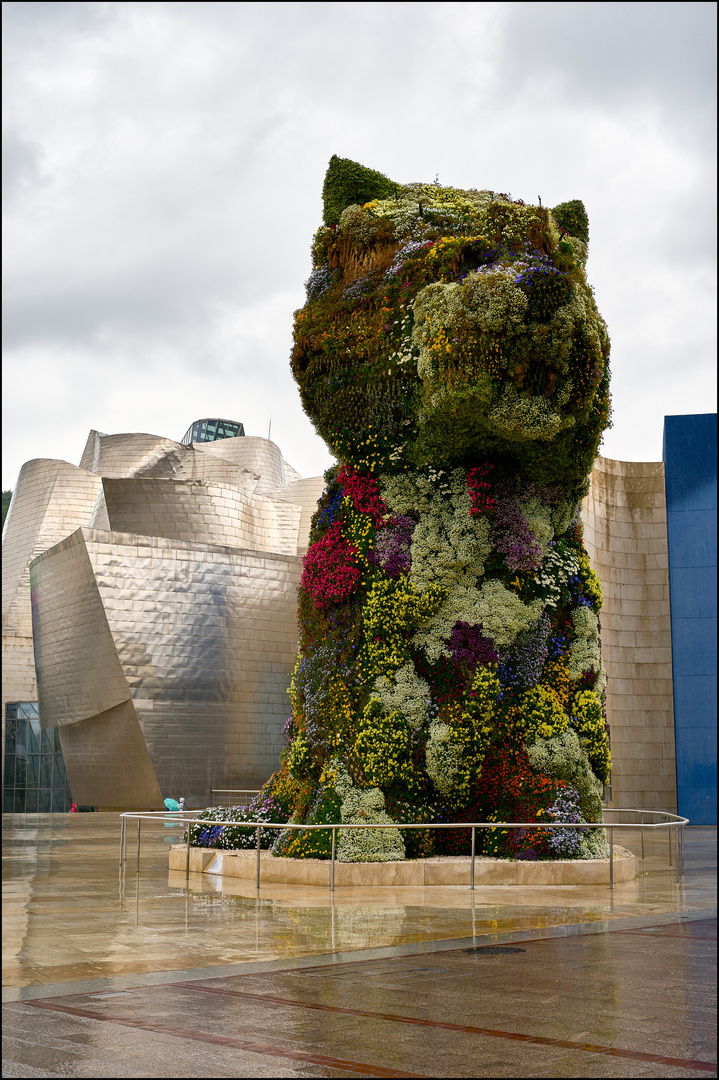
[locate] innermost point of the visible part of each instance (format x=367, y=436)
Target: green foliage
x=573, y=217
x=6, y=497
x=346, y=183
x=314, y=843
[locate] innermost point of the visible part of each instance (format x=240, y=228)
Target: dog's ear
x=573, y=217
x=347, y=183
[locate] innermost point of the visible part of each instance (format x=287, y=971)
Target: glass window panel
x=58, y=781
x=10, y=726
x=22, y=709
x=20, y=801
x=45, y=778
x=44, y=802
x=57, y=748
x=33, y=710
x=8, y=800
x=47, y=740
x=59, y=762
x=20, y=736
x=68, y=797
x=11, y=709
x=33, y=738
x=32, y=771
x=58, y=801
x=30, y=800
x=20, y=771
x=9, y=770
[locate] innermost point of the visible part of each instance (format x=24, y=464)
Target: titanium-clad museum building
x=149, y=599
x=149, y=618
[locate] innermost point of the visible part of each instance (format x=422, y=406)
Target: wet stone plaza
x=113, y=973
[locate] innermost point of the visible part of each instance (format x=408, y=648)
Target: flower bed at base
x=435, y=871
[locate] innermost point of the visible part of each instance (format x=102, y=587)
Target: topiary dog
x=451, y=355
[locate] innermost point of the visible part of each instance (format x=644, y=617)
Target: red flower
x=480, y=489
x=329, y=574
x=363, y=493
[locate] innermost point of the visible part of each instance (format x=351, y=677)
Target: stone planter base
x=439, y=870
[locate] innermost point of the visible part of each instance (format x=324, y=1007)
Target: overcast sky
x=162, y=180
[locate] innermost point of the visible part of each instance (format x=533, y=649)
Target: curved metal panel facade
x=201, y=639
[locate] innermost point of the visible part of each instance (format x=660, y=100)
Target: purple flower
x=319, y=282
x=392, y=544
x=566, y=843
x=522, y=665
x=512, y=535
x=468, y=646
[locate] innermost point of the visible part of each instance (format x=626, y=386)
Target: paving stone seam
x=611, y=1051
x=351, y=1066
x=226, y=1040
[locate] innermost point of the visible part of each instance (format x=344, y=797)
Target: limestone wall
x=625, y=531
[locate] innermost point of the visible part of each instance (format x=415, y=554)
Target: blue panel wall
x=690, y=462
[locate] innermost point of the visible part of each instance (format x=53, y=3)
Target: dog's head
x=446, y=327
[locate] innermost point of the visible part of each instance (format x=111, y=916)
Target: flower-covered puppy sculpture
x=451, y=355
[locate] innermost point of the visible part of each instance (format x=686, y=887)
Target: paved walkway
x=109, y=974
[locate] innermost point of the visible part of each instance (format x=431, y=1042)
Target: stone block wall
x=625, y=531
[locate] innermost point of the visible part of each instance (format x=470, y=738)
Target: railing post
x=139, y=822
x=642, y=830
x=611, y=859
x=187, y=861
x=258, y=858
x=122, y=837
x=332, y=868
x=471, y=885
x=670, y=844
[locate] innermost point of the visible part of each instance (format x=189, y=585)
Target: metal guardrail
x=246, y=796
x=674, y=821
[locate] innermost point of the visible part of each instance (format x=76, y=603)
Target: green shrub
x=347, y=182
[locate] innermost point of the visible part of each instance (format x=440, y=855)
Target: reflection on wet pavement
x=70, y=914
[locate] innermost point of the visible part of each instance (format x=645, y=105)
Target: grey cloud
x=618, y=53
x=40, y=23
x=20, y=164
